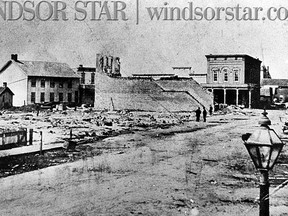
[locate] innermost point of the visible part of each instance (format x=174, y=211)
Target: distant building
x=108, y=65
x=182, y=71
x=274, y=91
x=270, y=85
x=40, y=81
x=200, y=78
x=6, y=97
x=234, y=79
x=147, y=92
x=87, y=84
x=265, y=73
x=154, y=76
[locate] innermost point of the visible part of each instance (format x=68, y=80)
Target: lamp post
x=264, y=147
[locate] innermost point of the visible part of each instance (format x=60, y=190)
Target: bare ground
x=188, y=169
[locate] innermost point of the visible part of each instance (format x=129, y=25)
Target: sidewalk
x=29, y=149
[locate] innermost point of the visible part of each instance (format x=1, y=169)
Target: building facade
x=274, y=92
x=6, y=97
x=234, y=79
x=108, y=65
x=40, y=82
x=87, y=84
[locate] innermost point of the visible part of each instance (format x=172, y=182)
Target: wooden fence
x=10, y=139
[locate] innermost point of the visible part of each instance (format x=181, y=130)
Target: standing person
x=37, y=109
x=204, y=114
x=210, y=110
x=198, y=113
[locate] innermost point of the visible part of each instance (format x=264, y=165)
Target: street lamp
x=264, y=147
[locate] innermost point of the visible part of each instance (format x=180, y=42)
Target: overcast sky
x=151, y=46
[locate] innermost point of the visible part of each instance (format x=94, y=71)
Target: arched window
x=236, y=74
x=215, y=74
x=225, y=74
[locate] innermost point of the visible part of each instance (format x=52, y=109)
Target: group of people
x=204, y=112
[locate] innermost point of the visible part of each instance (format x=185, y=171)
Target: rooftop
x=42, y=68
x=276, y=82
x=3, y=89
x=231, y=55
x=47, y=69
x=152, y=75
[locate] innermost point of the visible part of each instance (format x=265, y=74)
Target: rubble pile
x=74, y=129
x=86, y=125
x=235, y=110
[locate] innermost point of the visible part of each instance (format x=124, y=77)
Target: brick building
x=234, y=79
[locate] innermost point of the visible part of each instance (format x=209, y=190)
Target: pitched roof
x=3, y=89
x=276, y=82
x=43, y=69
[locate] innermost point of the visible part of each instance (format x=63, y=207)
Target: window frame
x=236, y=74
x=70, y=84
x=33, y=97
x=42, y=83
x=215, y=75
x=83, y=78
x=50, y=97
x=69, y=97
x=33, y=83
x=61, y=97
x=52, y=84
x=93, y=78
x=226, y=74
x=42, y=97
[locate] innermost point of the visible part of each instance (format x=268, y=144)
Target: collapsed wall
x=139, y=94
x=202, y=96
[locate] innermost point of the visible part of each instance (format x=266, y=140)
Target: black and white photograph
x=143, y=107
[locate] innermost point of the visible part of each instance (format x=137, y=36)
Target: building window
x=215, y=75
x=83, y=78
x=33, y=83
x=236, y=75
x=92, y=78
x=52, y=97
x=42, y=97
x=69, y=97
x=61, y=85
x=42, y=84
x=60, y=97
x=33, y=97
x=225, y=74
x=52, y=84
x=70, y=84
x=76, y=96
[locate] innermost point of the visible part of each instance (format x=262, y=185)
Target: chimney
x=14, y=57
x=5, y=84
x=80, y=68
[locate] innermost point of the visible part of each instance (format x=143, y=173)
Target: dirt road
x=192, y=169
